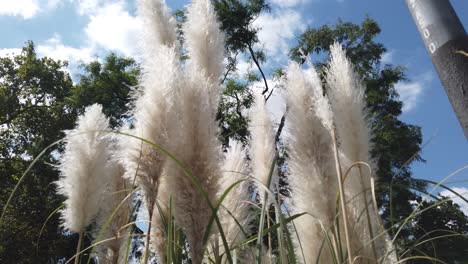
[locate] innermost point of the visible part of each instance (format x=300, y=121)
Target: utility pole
x=446, y=41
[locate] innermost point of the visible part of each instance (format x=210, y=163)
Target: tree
x=108, y=83
x=33, y=113
x=38, y=101
x=237, y=19
x=441, y=231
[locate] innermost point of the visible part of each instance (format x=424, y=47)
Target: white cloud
x=463, y=192
x=113, y=28
x=25, y=8
x=411, y=92
x=276, y=104
x=110, y=27
x=87, y=7
x=30, y=8
x=387, y=57
x=243, y=66
x=51, y=4
x=288, y=3
x=9, y=52
x=55, y=49
x=277, y=29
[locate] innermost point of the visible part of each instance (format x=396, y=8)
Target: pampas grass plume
x=354, y=135
x=312, y=177
x=205, y=49
x=159, y=25
x=236, y=202
x=263, y=146
x=202, y=31
x=153, y=108
x=195, y=129
x=84, y=170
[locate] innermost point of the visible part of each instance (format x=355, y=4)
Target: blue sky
x=81, y=30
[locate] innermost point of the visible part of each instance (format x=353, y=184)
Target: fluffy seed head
x=354, y=135
x=159, y=26
x=312, y=177
x=84, y=170
x=236, y=202
x=205, y=46
x=263, y=144
x=194, y=129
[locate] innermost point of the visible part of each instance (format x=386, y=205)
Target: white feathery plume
x=235, y=207
x=159, y=26
x=158, y=230
x=84, y=170
x=312, y=175
x=346, y=93
x=153, y=110
x=206, y=46
x=152, y=114
x=195, y=142
x=196, y=145
x=263, y=147
x=202, y=31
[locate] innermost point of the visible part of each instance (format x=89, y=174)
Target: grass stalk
x=366, y=207
x=78, y=247
x=264, y=207
x=148, y=232
x=342, y=197
x=270, y=247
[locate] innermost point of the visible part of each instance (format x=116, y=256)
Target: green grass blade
x=45, y=223
x=266, y=231
x=216, y=209
x=262, y=216
x=23, y=176
x=107, y=223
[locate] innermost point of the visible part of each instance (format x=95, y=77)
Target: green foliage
x=109, y=84
x=38, y=101
x=33, y=113
x=236, y=18
x=440, y=232
x=236, y=97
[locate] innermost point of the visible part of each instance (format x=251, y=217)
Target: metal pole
x=444, y=37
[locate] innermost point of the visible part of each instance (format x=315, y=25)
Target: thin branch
x=231, y=67
x=254, y=58
x=281, y=126
x=238, y=106
x=271, y=92
x=13, y=116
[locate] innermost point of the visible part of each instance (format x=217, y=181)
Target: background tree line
x=38, y=101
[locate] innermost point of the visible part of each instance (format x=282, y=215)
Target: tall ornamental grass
x=209, y=205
